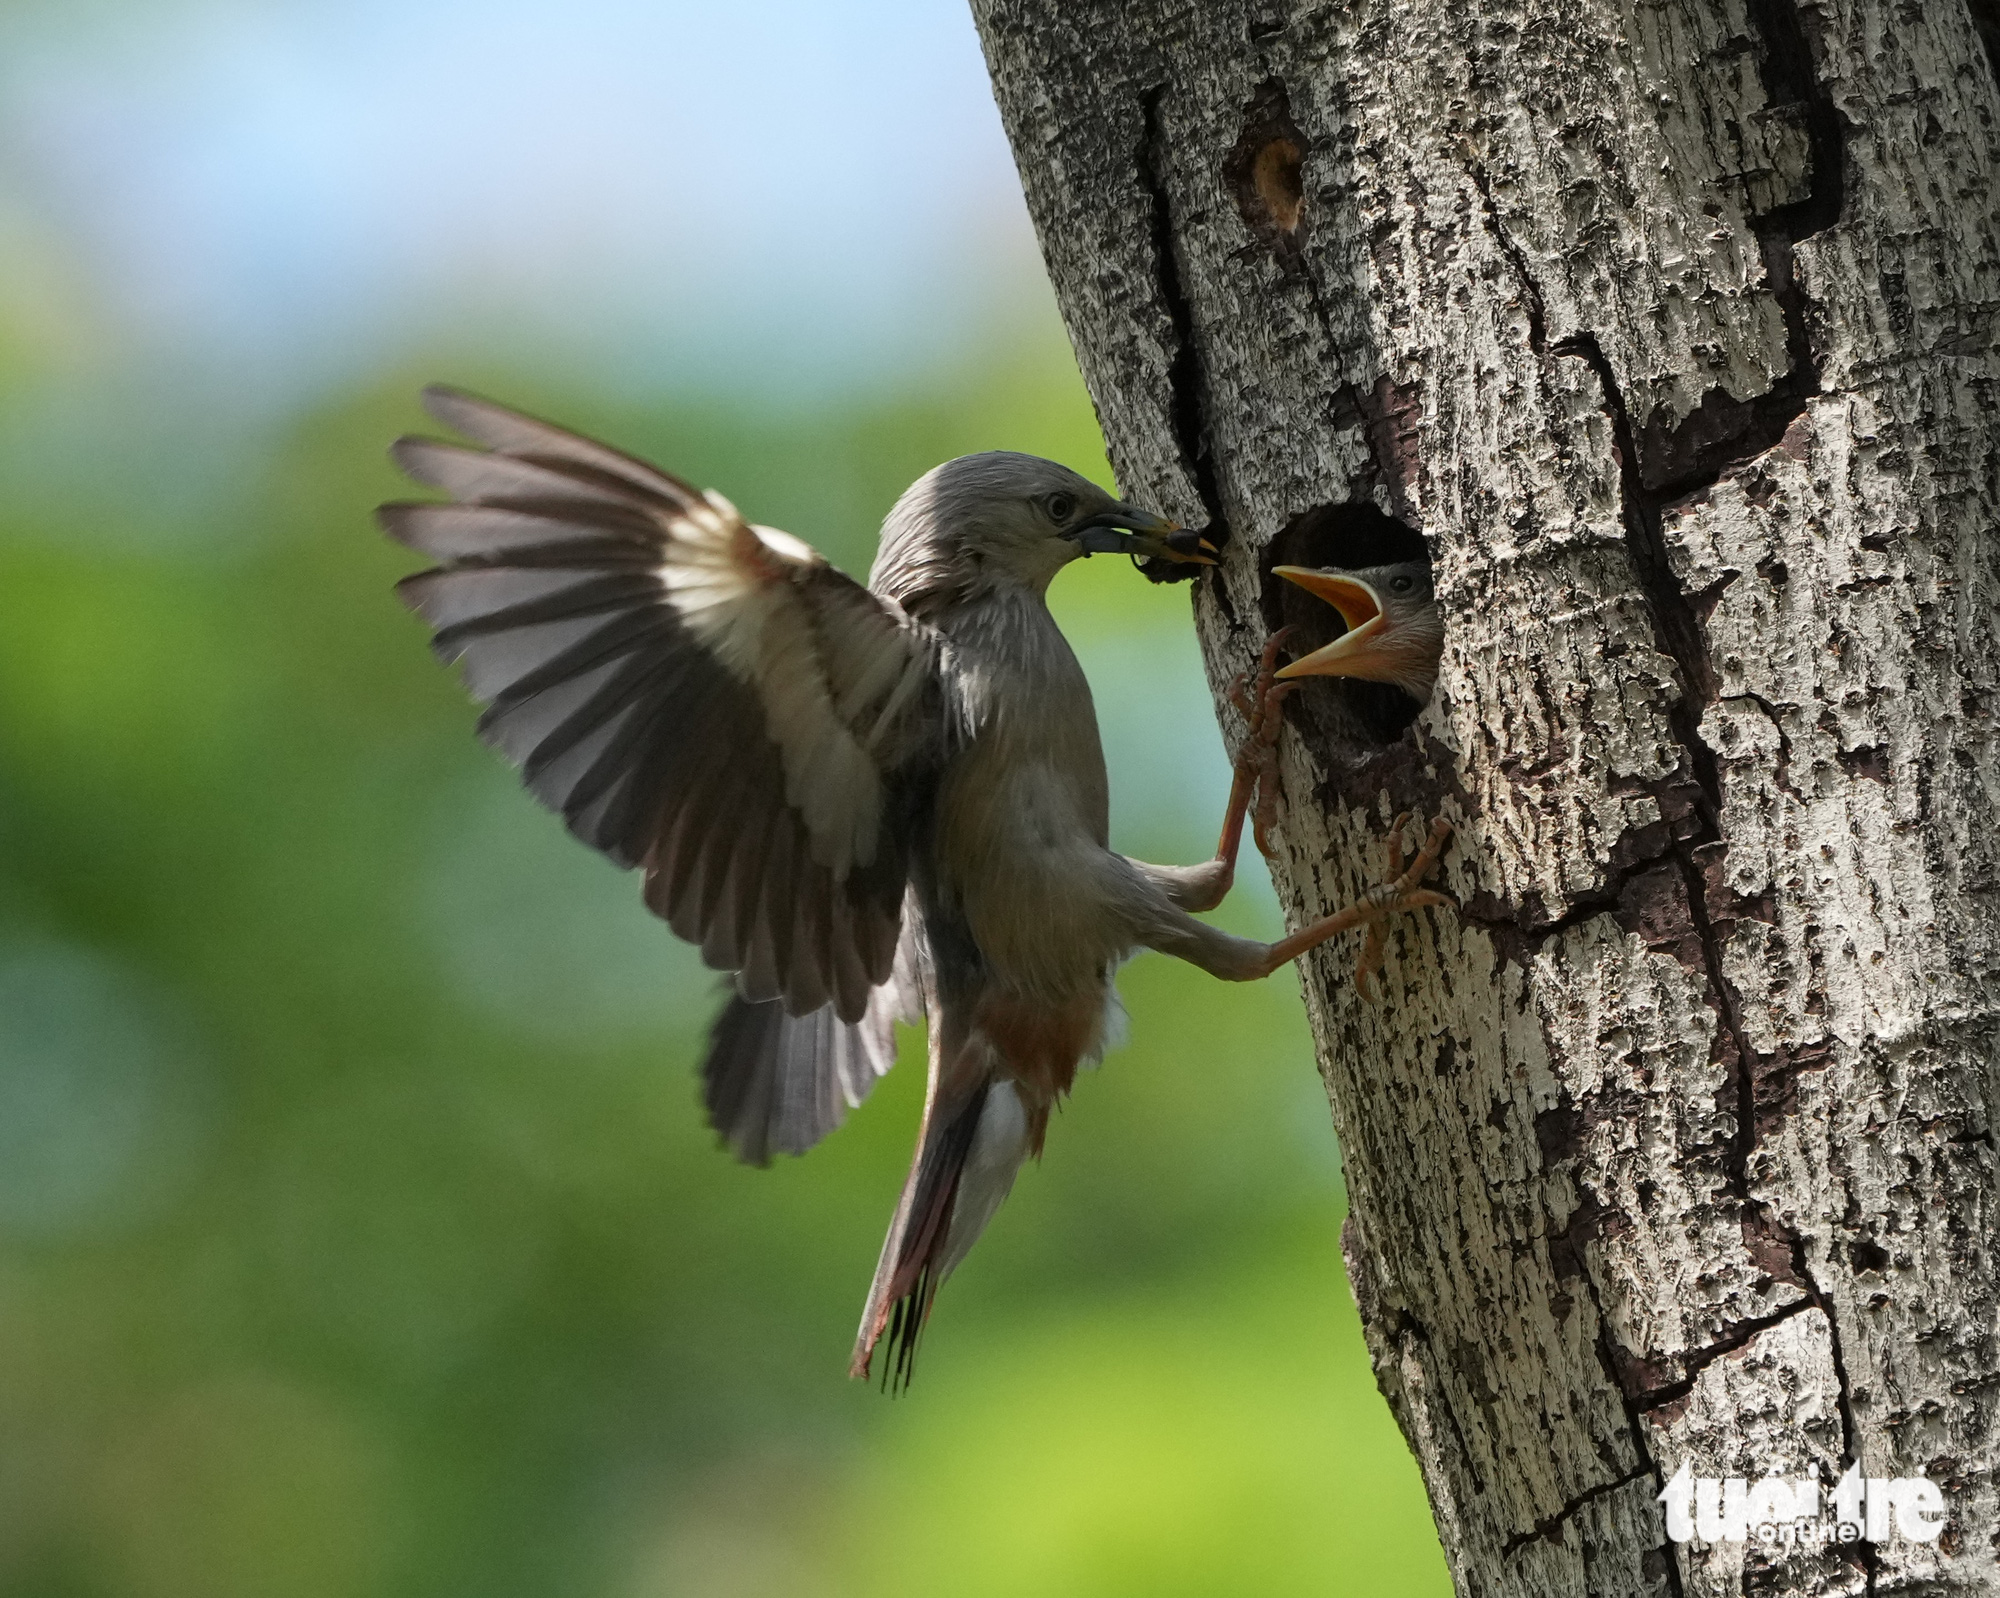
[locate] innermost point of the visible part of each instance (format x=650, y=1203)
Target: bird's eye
x=1401, y=585
x=1061, y=507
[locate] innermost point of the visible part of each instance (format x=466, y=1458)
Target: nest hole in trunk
x=1364, y=716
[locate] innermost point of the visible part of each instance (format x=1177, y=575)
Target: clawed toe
x=1368, y=969
x=1397, y=861
x=1371, y=912
x=1402, y=892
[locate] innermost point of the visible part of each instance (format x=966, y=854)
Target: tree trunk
x=1667, y=328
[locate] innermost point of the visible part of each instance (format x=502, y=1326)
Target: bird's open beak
x=1127, y=530
x=1359, y=606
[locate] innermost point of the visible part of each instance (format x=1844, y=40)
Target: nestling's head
x=1001, y=519
x=1395, y=633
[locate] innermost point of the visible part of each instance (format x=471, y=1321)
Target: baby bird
x=1394, y=632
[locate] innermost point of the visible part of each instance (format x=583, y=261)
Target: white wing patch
x=829, y=675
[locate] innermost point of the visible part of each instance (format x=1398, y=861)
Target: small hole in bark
x=1867, y=1255
x=1266, y=173
x=1275, y=174
x=1349, y=537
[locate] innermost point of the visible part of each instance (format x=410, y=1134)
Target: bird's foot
x=1261, y=698
x=1403, y=891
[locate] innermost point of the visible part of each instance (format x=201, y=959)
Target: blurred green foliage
x=359, y=1234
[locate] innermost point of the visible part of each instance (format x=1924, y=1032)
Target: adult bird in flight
x=867, y=804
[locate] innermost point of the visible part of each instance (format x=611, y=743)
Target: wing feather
x=450, y=531
x=510, y=433
x=732, y=922
x=475, y=477
x=774, y=922
x=701, y=699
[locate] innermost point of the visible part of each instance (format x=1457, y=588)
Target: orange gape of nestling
x=1394, y=632
x=867, y=804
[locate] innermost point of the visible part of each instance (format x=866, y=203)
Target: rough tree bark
x=1667, y=328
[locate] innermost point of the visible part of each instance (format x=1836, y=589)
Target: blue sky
x=760, y=195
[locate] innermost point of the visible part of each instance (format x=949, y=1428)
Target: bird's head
x=1006, y=519
x=1394, y=631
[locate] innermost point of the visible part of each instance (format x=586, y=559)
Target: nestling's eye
x=1060, y=507
x=1401, y=585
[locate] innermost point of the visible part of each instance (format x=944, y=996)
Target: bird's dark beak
x=1144, y=535
x=1359, y=606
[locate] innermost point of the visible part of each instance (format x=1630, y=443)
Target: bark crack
x=1685, y=457
x=1681, y=636
x=1519, y=930
x=1657, y=465
x=1531, y=291
x=1675, y=623
x=1635, y=1422
x=1186, y=381
x=1695, y=1361
x=1550, y=1526
x=1782, y=772
x=1723, y=433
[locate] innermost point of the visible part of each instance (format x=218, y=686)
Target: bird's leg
x=1259, y=697
x=1262, y=706
x=1172, y=931
x=1403, y=891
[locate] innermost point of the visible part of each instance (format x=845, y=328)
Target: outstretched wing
x=705, y=700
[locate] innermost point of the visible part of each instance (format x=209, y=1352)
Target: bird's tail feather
x=774, y=1082
x=778, y=1083
x=966, y=1160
